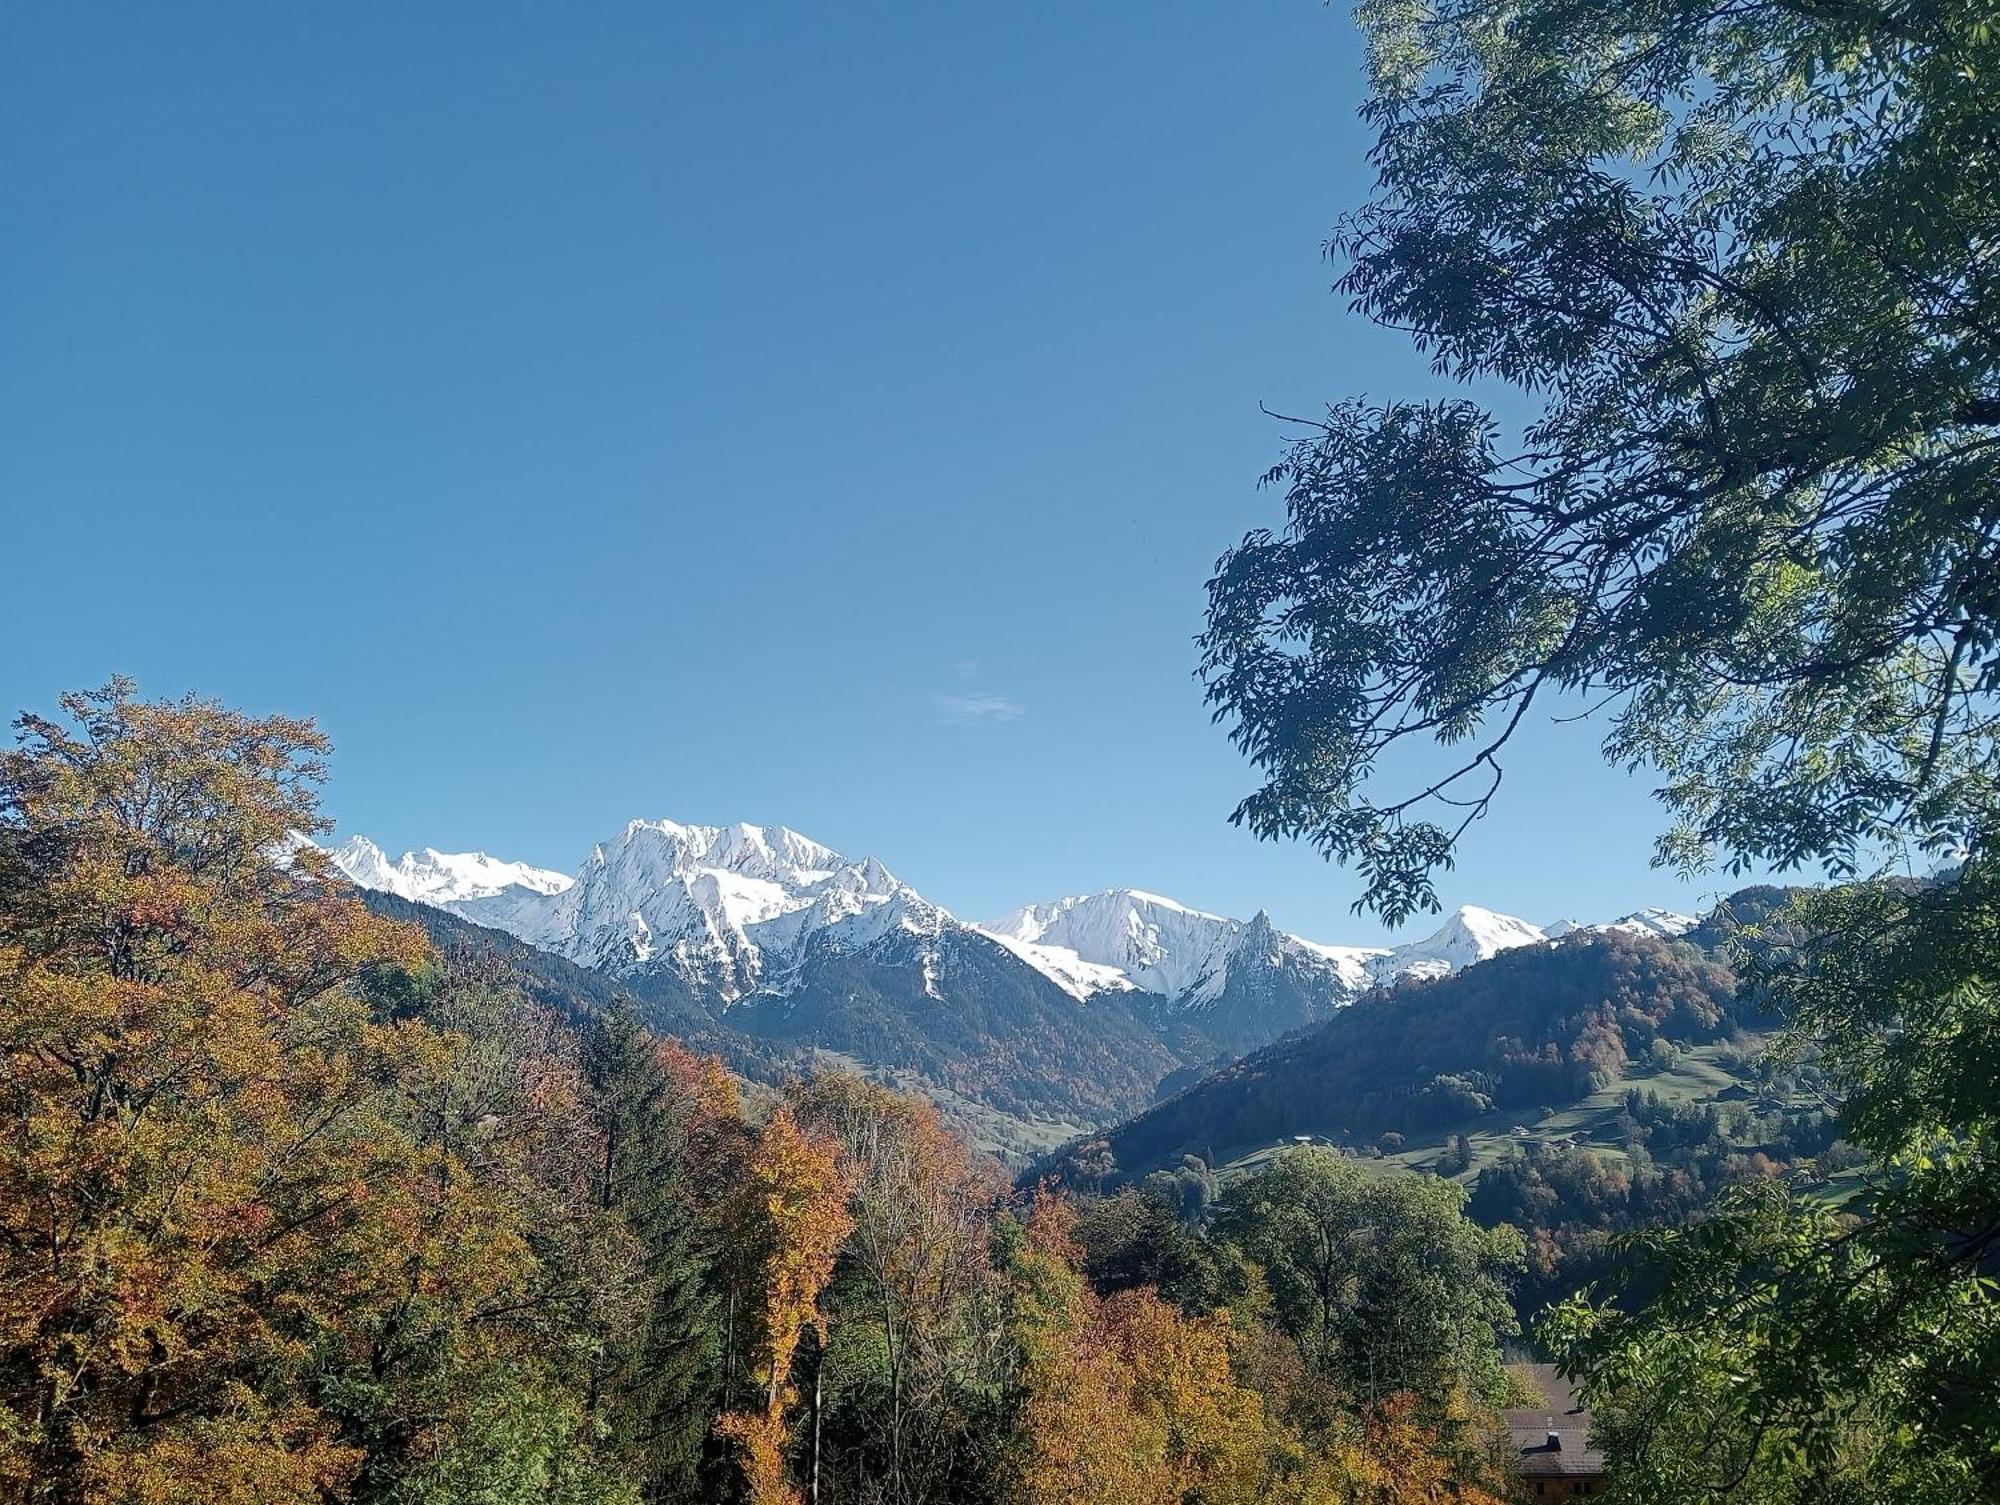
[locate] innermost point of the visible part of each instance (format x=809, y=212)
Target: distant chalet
x=1550, y=1443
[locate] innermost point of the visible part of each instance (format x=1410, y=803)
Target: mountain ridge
x=716, y=899
x=1512, y=1040
x=1058, y=1016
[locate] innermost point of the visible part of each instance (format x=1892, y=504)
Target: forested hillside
x=1576, y=1092
x=1014, y=1062
x=1515, y=1037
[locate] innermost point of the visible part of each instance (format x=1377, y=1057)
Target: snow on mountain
x=1144, y=941
x=1666, y=922
x=440, y=878
x=1470, y=934
x=1128, y=939
x=730, y=908
x=1063, y=967
x=1473, y=934
x=1660, y=922
x=737, y=910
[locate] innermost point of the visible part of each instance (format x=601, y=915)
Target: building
x=1550, y=1443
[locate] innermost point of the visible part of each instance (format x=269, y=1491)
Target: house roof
x=1561, y=1417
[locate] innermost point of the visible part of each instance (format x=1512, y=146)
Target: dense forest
x=298, y=1206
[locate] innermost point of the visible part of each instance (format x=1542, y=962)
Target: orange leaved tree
x=200, y=1171
x=1124, y=1400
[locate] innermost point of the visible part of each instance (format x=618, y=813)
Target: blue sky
x=824, y=415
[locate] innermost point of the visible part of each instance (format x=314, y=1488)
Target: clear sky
x=816, y=414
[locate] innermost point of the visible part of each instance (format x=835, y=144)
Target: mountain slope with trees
x=1018, y=1064
x=761, y=944
x=1516, y=1035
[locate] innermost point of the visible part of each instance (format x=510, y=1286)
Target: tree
x=787, y=1223
x=1457, y=1158
x=289, y=1209
x=916, y=1299
x=1126, y=1400
x=1136, y=1238
x=1405, y=1461
x=1742, y=256
x=652, y=1111
x=199, y=1177
x=471, y=1380
x=1380, y=1279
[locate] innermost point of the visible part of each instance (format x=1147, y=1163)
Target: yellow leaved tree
x=202, y=1183
x=787, y=1222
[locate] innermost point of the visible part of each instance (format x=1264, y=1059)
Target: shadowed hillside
x=1527, y=1032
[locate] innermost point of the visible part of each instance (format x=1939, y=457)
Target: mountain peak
x=440, y=878
x=1130, y=939
x=743, y=911
x=1469, y=934
x=725, y=907
x=759, y=851
x=1660, y=922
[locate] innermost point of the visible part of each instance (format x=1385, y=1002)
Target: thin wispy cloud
x=976, y=706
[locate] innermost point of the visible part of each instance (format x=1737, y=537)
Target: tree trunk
x=819, y=1368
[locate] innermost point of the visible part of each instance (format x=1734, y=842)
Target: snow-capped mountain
x=1234, y=984
x=729, y=909
x=1666, y=922
x=782, y=944
x=734, y=911
x=1469, y=934
x=1660, y=922
x=440, y=878
x=1056, y=1015
x=1125, y=938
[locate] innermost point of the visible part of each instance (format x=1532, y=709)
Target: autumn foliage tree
x=1126, y=1400
x=914, y=1290
x=198, y=1178
x=787, y=1222
x=478, y=1379
x=290, y=1210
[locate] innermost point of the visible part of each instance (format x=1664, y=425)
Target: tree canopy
x=1740, y=260
x=1739, y=265
x=1381, y=1280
